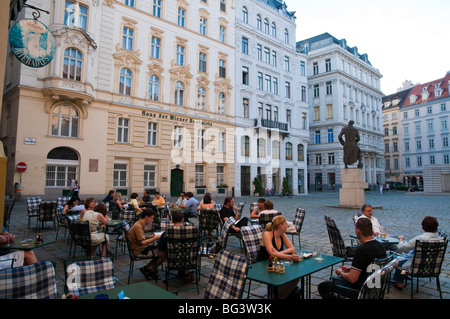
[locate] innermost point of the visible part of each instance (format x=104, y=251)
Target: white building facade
x=271, y=102
x=424, y=124
x=342, y=86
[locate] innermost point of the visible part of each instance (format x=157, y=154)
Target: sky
x=404, y=39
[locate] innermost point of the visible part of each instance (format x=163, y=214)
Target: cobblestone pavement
x=400, y=212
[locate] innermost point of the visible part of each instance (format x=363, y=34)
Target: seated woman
x=275, y=243
x=73, y=202
x=259, y=209
x=134, y=202
x=97, y=219
x=206, y=203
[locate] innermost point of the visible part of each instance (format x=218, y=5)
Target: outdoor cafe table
x=300, y=269
x=26, y=244
x=140, y=290
x=386, y=240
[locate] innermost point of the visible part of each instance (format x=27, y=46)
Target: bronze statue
x=352, y=153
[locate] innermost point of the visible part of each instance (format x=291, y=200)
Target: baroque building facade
x=139, y=95
x=271, y=105
x=342, y=86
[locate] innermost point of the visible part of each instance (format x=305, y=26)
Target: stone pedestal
x=352, y=192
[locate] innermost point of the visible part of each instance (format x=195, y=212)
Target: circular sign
x=32, y=43
x=21, y=167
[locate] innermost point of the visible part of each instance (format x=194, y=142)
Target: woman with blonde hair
x=275, y=243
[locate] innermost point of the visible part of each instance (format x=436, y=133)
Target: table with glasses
x=297, y=270
x=27, y=244
x=140, y=290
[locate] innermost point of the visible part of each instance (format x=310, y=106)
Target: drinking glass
x=383, y=232
x=318, y=252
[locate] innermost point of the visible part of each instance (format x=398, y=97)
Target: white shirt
x=376, y=227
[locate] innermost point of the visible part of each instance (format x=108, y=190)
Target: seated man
x=366, y=211
x=141, y=244
x=191, y=206
x=229, y=210
x=146, y=199
x=159, y=200
x=182, y=199
x=355, y=276
x=109, y=197
x=161, y=247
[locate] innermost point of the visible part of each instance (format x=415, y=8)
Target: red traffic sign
x=21, y=167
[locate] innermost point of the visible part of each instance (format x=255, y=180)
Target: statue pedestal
x=351, y=194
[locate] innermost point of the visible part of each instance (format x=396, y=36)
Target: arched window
x=289, y=151
x=244, y=15
x=300, y=152
x=179, y=93
x=286, y=36
x=73, y=62
x=276, y=149
x=201, y=98
x=261, y=147
x=274, y=30
x=153, y=88
x=62, y=165
x=65, y=121
x=266, y=26
x=222, y=103
x=125, y=81
x=245, y=146
x=258, y=22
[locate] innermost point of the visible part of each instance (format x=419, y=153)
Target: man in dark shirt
x=229, y=210
x=355, y=276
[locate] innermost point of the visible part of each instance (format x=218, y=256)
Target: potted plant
x=258, y=189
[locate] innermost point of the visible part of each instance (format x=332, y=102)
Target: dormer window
x=412, y=99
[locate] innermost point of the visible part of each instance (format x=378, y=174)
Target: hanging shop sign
x=32, y=43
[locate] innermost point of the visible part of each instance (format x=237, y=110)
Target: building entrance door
x=245, y=180
x=176, y=182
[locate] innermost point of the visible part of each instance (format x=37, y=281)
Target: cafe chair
x=375, y=285
x=47, y=213
x=225, y=233
x=338, y=246
x=36, y=281
x=251, y=237
x=227, y=279
x=8, y=207
x=240, y=208
x=266, y=218
x=61, y=201
x=33, y=208
x=427, y=262
x=80, y=236
x=133, y=258
x=209, y=226
x=128, y=214
x=182, y=253
x=88, y=275
x=298, y=223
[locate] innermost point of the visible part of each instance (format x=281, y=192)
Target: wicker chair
x=227, y=280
